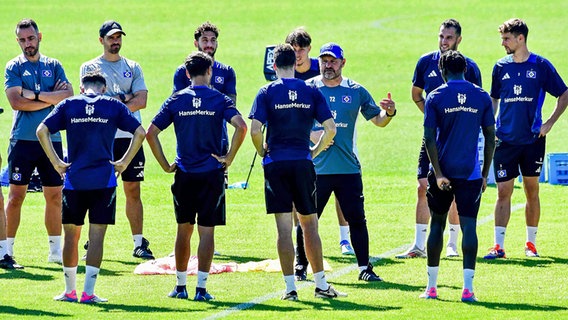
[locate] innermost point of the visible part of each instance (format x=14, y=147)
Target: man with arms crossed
x=518, y=87
x=34, y=84
x=454, y=114
x=288, y=107
x=125, y=82
x=426, y=78
x=198, y=114
x=91, y=121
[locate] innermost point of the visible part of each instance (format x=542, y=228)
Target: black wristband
x=122, y=97
x=391, y=115
x=36, y=95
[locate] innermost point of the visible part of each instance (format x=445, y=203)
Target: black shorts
x=200, y=194
x=101, y=204
x=348, y=190
x=24, y=156
x=135, y=170
x=508, y=159
x=467, y=194
x=423, y=163
x=287, y=182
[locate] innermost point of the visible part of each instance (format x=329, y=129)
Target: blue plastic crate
x=557, y=164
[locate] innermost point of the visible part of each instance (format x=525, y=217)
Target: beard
x=330, y=74
x=209, y=50
x=114, y=49
x=31, y=51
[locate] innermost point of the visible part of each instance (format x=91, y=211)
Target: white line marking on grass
x=332, y=275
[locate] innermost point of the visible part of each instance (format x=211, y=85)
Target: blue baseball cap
x=109, y=28
x=331, y=49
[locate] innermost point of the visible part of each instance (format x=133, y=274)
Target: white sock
x=531, y=234
x=500, y=236
x=420, y=235
x=432, y=277
x=55, y=244
x=290, y=283
x=70, y=274
x=137, y=240
x=3, y=248
x=454, y=232
x=343, y=233
x=10, y=246
x=321, y=282
x=91, y=274
x=202, y=279
x=181, y=278
x=362, y=268
x=468, y=279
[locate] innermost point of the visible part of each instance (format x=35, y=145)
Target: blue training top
x=91, y=122
x=458, y=110
x=197, y=113
x=428, y=77
x=222, y=79
x=522, y=88
x=35, y=76
x=288, y=108
x=345, y=101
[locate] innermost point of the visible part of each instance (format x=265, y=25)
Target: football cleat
x=300, y=272
x=468, y=296
x=430, y=293
x=413, y=252
x=495, y=253
x=291, y=296
x=530, y=250
x=67, y=297
x=85, y=298
x=8, y=262
x=369, y=275
x=452, y=250
x=202, y=295
x=179, y=294
x=346, y=248
x=143, y=251
x=329, y=293
x=55, y=258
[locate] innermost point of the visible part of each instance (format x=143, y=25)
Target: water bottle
x=238, y=185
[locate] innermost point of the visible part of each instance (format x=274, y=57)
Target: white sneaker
x=55, y=258
x=452, y=250
x=346, y=248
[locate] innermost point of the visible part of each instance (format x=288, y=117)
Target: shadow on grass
x=526, y=262
x=325, y=304
x=23, y=274
x=9, y=310
x=128, y=263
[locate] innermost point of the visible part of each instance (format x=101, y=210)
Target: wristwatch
x=122, y=97
x=391, y=115
x=36, y=95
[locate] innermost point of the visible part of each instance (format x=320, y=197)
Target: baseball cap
x=109, y=28
x=331, y=49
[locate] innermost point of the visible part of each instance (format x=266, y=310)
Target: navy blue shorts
x=348, y=190
x=467, y=194
x=135, y=170
x=24, y=156
x=423, y=163
x=200, y=195
x=101, y=204
x=509, y=158
x=287, y=182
